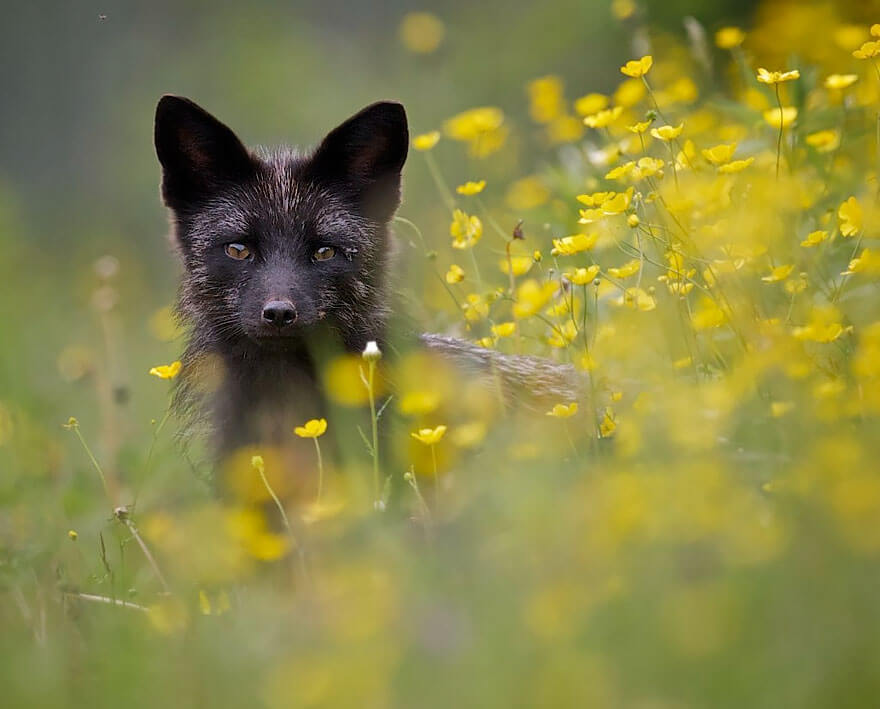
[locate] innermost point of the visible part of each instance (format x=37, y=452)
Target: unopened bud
x=371, y=352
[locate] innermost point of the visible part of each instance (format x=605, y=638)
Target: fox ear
x=199, y=155
x=364, y=157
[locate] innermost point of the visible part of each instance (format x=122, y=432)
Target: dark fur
x=253, y=381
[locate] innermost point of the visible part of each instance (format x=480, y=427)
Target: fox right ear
x=199, y=154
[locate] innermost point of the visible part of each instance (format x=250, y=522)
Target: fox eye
x=325, y=253
x=237, y=251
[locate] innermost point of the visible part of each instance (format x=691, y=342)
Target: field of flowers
x=698, y=527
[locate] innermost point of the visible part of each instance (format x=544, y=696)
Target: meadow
x=697, y=527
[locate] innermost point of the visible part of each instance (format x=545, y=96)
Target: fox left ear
x=364, y=157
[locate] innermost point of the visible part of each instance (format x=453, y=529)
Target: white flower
x=371, y=352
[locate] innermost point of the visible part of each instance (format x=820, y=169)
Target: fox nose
x=279, y=313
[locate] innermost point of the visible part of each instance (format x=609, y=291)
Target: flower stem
x=320, y=469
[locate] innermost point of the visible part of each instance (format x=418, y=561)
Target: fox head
x=278, y=245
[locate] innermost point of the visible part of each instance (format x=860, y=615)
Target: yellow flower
x=312, y=429
x=868, y=262
x=422, y=32
x=475, y=308
x=470, y=188
x=620, y=171
x=778, y=273
x=608, y=425
x=824, y=140
x=648, y=167
x=633, y=220
x=638, y=67
x=824, y=326
x=590, y=104
x=637, y=299
x=630, y=268
x=840, y=81
x=455, y=274
x=546, y=99
x=531, y=296
x=603, y=119
x=850, y=215
x=569, y=245
x=465, y=230
x=619, y=203
x=786, y=117
x=426, y=141
x=729, y=37
x=167, y=371
x=564, y=411
x=814, y=238
x=519, y=264
x=504, y=329
x=667, y=133
x=527, y=193
x=583, y=276
x=482, y=128
x=73, y=535
x=777, y=77
x=868, y=50
x=418, y=403
x=720, y=154
x=429, y=436
x=639, y=127
x=735, y=166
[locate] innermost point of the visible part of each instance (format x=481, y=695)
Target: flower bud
x=371, y=352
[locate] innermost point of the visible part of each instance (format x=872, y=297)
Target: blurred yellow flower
x=639, y=127
x=505, y=329
x=564, y=411
x=824, y=140
x=867, y=262
x=850, y=215
x=471, y=188
x=667, y=133
x=735, y=166
x=868, y=50
x=312, y=428
x=729, y=37
x=840, y=81
x=570, y=245
x=608, y=425
x=637, y=68
x=475, y=308
x=814, y=238
x=637, y=299
x=422, y=32
x=583, y=276
x=603, y=119
x=455, y=274
x=546, y=99
x=418, y=403
x=465, y=230
x=630, y=268
x=429, y=436
x=780, y=408
x=167, y=371
x=786, y=116
x=519, y=264
x=527, y=193
x=590, y=104
x=531, y=296
x=720, y=154
x=426, y=141
x=778, y=273
x=777, y=77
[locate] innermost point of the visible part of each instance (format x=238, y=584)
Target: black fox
x=286, y=255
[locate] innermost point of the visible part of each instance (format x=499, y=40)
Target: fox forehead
x=278, y=203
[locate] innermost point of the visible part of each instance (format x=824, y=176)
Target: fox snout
x=278, y=314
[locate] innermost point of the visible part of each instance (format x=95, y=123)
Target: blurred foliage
x=699, y=530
